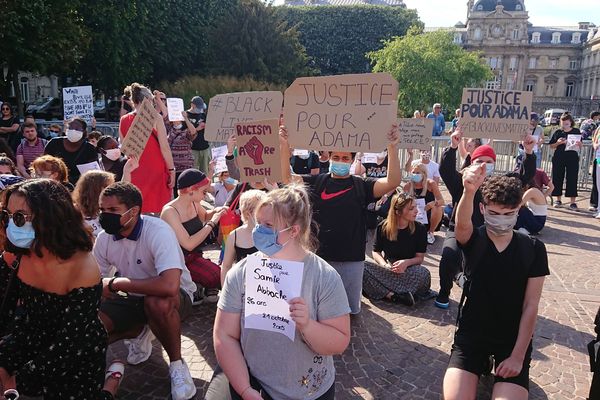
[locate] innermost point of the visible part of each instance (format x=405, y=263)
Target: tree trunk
x=14, y=72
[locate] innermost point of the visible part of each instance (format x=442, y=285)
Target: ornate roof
x=490, y=5
x=392, y=3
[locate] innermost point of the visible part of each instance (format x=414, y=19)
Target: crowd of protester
x=124, y=241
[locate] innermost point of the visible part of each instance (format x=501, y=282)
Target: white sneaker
x=140, y=348
x=430, y=238
x=182, y=384
x=597, y=216
x=593, y=209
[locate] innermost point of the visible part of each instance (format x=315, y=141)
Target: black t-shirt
x=86, y=154
x=323, y=167
x=340, y=215
x=302, y=166
x=560, y=150
x=7, y=123
x=374, y=170
x=405, y=246
x=199, y=142
x=492, y=310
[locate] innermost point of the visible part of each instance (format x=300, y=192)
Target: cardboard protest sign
x=140, y=130
x=421, y=213
x=343, y=112
x=175, y=108
x=270, y=285
x=218, y=154
x=258, y=150
x=224, y=110
x=495, y=114
x=415, y=133
x=78, y=101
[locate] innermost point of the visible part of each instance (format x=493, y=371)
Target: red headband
x=198, y=185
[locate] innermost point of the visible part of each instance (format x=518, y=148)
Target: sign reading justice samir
x=495, y=114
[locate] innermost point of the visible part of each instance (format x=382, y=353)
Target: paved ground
x=398, y=352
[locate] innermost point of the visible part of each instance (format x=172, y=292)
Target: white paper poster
x=78, y=101
x=270, y=285
x=300, y=152
x=421, y=213
x=218, y=154
x=370, y=158
x=175, y=108
x=536, y=146
x=91, y=166
x=572, y=142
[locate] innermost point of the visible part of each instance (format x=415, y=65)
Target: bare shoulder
x=84, y=270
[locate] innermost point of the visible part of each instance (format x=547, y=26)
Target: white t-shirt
x=156, y=250
x=433, y=168
x=221, y=193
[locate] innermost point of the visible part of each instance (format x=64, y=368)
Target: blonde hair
x=422, y=168
x=138, y=92
x=249, y=201
x=291, y=206
x=390, y=226
x=88, y=189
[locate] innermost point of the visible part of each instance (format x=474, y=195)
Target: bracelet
x=211, y=224
x=110, y=285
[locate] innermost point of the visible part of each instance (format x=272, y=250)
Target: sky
x=541, y=12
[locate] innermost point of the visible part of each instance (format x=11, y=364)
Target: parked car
x=552, y=116
x=36, y=105
x=51, y=110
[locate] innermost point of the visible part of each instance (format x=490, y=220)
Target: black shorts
x=473, y=356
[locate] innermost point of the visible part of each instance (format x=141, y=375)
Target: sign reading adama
x=495, y=114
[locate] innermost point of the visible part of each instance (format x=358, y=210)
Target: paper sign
x=369, y=158
x=140, y=130
x=415, y=133
x=224, y=110
x=343, y=112
x=572, y=143
x=270, y=285
x=258, y=150
x=218, y=154
x=536, y=146
x=421, y=213
x=175, y=108
x=495, y=114
x=300, y=152
x=91, y=166
x=78, y=101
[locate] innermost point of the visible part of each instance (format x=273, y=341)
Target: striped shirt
x=30, y=153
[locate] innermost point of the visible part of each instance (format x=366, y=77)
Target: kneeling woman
x=400, y=244
x=267, y=365
x=533, y=211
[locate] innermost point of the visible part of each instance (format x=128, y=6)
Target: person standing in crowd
x=455, y=120
x=533, y=211
x=537, y=132
x=180, y=139
x=156, y=176
x=222, y=189
x=86, y=196
x=57, y=344
x=51, y=167
x=305, y=164
x=596, y=147
x=9, y=126
x=421, y=187
x=452, y=258
x=399, y=250
x=433, y=168
x=565, y=161
x=73, y=149
x=127, y=105
x=439, y=123
x=252, y=359
x=466, y=147
x=31, y=147
x=340, y=202
x=323, y=162
x=200, y=147
x=151, y=270
x=111, y=158
x=505, y=271
x=192, y=225
x=589, y=126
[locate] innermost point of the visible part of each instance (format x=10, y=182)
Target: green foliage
x=190, y=86
x=337, y=38
x=430, y=69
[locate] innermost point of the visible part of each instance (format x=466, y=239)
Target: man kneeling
x=152, y=287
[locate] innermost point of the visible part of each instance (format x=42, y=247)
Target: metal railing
x=106, y=128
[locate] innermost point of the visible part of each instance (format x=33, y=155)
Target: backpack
x=357, y=181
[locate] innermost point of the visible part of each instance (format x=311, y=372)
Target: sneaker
x=140, y=348
x=430, y=238
x=405, y=298
x=597, y=216
x=182, y=384
x=573, y=206
x=593, y=209
x=198, y=296
x=558, y=203
x=212, y=295
x=429, y=294
x=442, y=302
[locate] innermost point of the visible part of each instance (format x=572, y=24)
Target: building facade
x=560, y=65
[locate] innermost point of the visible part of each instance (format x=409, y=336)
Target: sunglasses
x=53, y=131
x=5, y=109
x=19, y=218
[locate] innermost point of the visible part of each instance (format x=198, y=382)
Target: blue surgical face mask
x=339, y=168
x=21, y=237
x=230, y=181
x=416, y=178
x=489, y=169
x=265, y=239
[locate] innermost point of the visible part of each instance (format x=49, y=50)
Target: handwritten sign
x=415, y=133
x=258, y=150
x=140, y=130
x=495, y=114
x=270, y=285
x=78, y=101
x=175, y=108
x=300, y=152
x=572, y=143
x=218, y=154
x=225, y=110
x=343, y=113
x=421, y=213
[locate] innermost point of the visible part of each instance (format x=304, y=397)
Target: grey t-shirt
x=289, y=370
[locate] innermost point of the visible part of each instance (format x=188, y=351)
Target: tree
x=430, y=69
x=338, y=37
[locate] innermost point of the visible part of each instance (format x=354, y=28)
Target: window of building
x=495, y=62
x=570, y=89
x=573, y=64
x=518, y=7
x=535, y=37
x=549, y=89
x=576, y=38
x=514, y=63
x=477, y=34
x=515, y=34
x=457, y=38
x=24, y=83
x=553, y=62
x=532, y=62
x=493, y=84
x=479, y=7
x=556, y=38
x=530, y=86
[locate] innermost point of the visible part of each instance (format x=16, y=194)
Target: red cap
x=482, y=151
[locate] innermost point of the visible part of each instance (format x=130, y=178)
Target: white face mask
x=73, y=135
x=113, y=154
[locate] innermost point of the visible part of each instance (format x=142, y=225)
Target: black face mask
x=110, y=222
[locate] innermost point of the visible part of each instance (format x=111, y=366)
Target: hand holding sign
x=258, y=151
x=529, y=143
x=299, y=313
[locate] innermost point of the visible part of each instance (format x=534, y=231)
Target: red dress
x=152, y=175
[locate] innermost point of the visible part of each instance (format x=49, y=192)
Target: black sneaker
x=403, y=298
x=558, y=203
x=573, y=206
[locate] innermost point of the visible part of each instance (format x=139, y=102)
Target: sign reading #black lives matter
x=495, y=114
x=343, y=112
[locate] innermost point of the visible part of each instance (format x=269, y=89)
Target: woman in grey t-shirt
x=261, y=364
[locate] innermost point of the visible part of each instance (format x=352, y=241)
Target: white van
x=552, y=116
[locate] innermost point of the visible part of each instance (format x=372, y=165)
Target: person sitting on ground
x=433, y=168
x=192, y=225
x=151, y=270
x=543, y=182
x=399, y=250
x=31, y=147
x=86, y=196
x=57, y=344
x=248, y=356
x=305, y=164
x=239, y=242
x=93, y=137
x=52, y=168
x=222, y=189
x=421, y=187
x=7, y=166
x=533, y=212
x=505, y=273
x=111, y=158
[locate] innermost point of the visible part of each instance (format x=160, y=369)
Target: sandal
x=116, y=371
x=11, y=394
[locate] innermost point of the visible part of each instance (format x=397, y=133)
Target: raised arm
x=394, y=173
x=451, y=177
x=284, y=147
x=473, y=177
